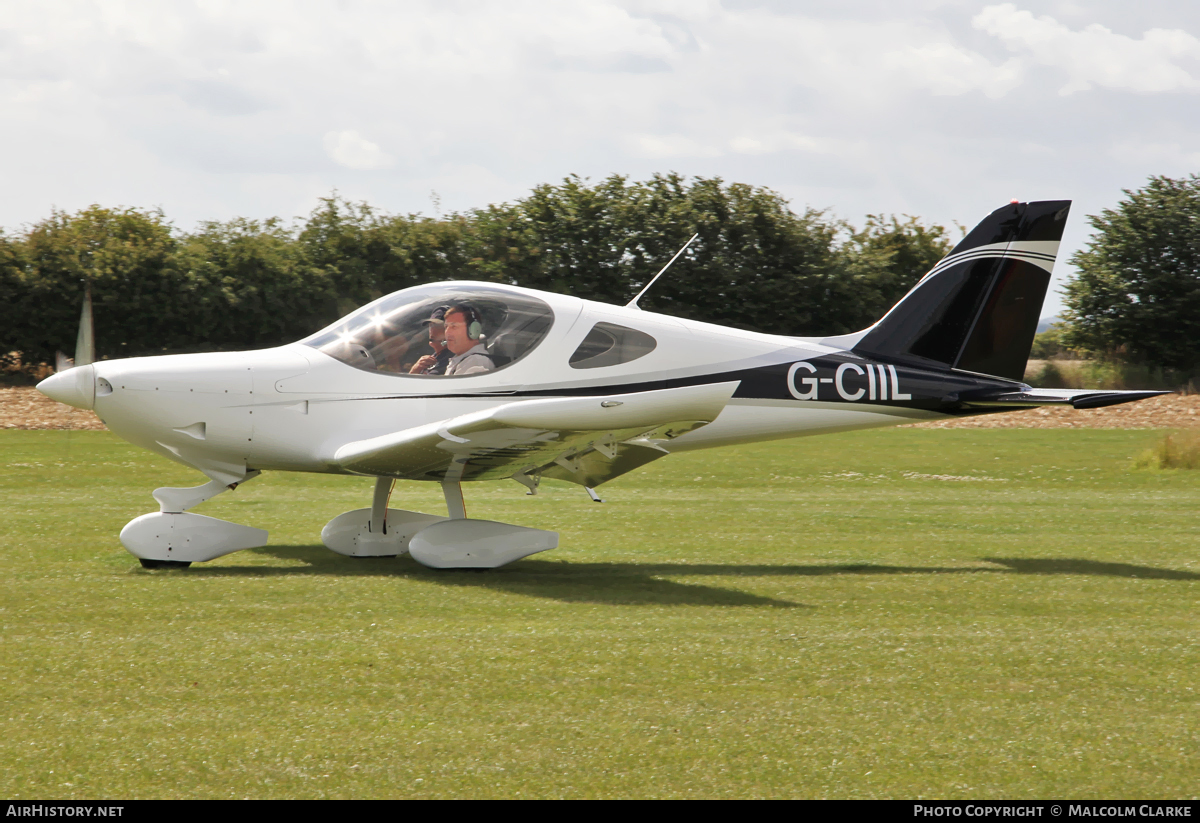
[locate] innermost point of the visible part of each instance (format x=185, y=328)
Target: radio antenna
x=632, y=304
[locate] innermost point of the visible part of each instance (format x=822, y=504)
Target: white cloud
x=1096, y=55
x=1170, y=157
x=769, y=141
x=217, y=108
x=866, y=62
x=352, y=150
x=946, y=69
x=671, y=146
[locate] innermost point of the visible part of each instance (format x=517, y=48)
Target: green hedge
x=246, y=283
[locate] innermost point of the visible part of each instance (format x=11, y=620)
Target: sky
x=942, y=109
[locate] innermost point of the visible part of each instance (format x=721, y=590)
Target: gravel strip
x=24, y=407
x=1170, y=411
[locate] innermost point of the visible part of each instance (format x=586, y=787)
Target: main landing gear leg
x=379, y=505
x=173, y=538
x=456, y=504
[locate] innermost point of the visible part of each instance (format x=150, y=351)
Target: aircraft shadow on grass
x=645, y=583
x=603, y=583
x=1070, y=565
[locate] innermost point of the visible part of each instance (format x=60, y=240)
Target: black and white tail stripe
x=1030, y=251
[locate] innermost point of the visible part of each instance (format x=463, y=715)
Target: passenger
x=464, y=337
x=434, y=363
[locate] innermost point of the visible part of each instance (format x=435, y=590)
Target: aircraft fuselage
x=291, y=408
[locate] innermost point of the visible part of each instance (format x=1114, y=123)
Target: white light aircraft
x=533, y=385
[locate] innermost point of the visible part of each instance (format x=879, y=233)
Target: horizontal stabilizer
x=1079, y=398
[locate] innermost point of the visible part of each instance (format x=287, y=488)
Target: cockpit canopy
x=392, y=333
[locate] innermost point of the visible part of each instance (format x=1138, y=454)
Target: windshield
x=438, y=331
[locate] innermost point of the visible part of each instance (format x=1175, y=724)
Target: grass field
x=902, y=613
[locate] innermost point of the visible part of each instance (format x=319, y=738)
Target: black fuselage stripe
x=939, y=391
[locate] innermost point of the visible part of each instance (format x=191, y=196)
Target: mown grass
x=903, y=613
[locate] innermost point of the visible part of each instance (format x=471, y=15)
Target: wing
x=586, y=440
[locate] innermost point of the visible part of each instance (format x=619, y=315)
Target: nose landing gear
x=174, y=538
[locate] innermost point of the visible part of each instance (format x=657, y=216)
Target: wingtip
x=1099, y=400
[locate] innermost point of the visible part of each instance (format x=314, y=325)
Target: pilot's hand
x=424, y=364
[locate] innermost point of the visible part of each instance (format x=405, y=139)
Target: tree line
x=756, y=264
x=243, y=283
x=1136, y=297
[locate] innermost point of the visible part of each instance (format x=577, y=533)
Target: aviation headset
x=473, y=318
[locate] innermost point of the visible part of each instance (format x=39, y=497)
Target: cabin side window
x=608, y=344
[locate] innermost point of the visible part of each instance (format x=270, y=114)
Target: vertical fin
x=978, y=309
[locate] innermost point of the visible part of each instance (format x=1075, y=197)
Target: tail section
x=978, y=309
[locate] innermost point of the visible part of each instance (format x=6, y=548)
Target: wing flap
x=584, y=439
x=601, y=461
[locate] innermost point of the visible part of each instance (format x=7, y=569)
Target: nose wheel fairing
x=172, y=536
x=181, y=537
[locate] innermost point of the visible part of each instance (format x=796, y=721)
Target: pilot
x=434, y=363
x=464, y=337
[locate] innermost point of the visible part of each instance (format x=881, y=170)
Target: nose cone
x=75, y=387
